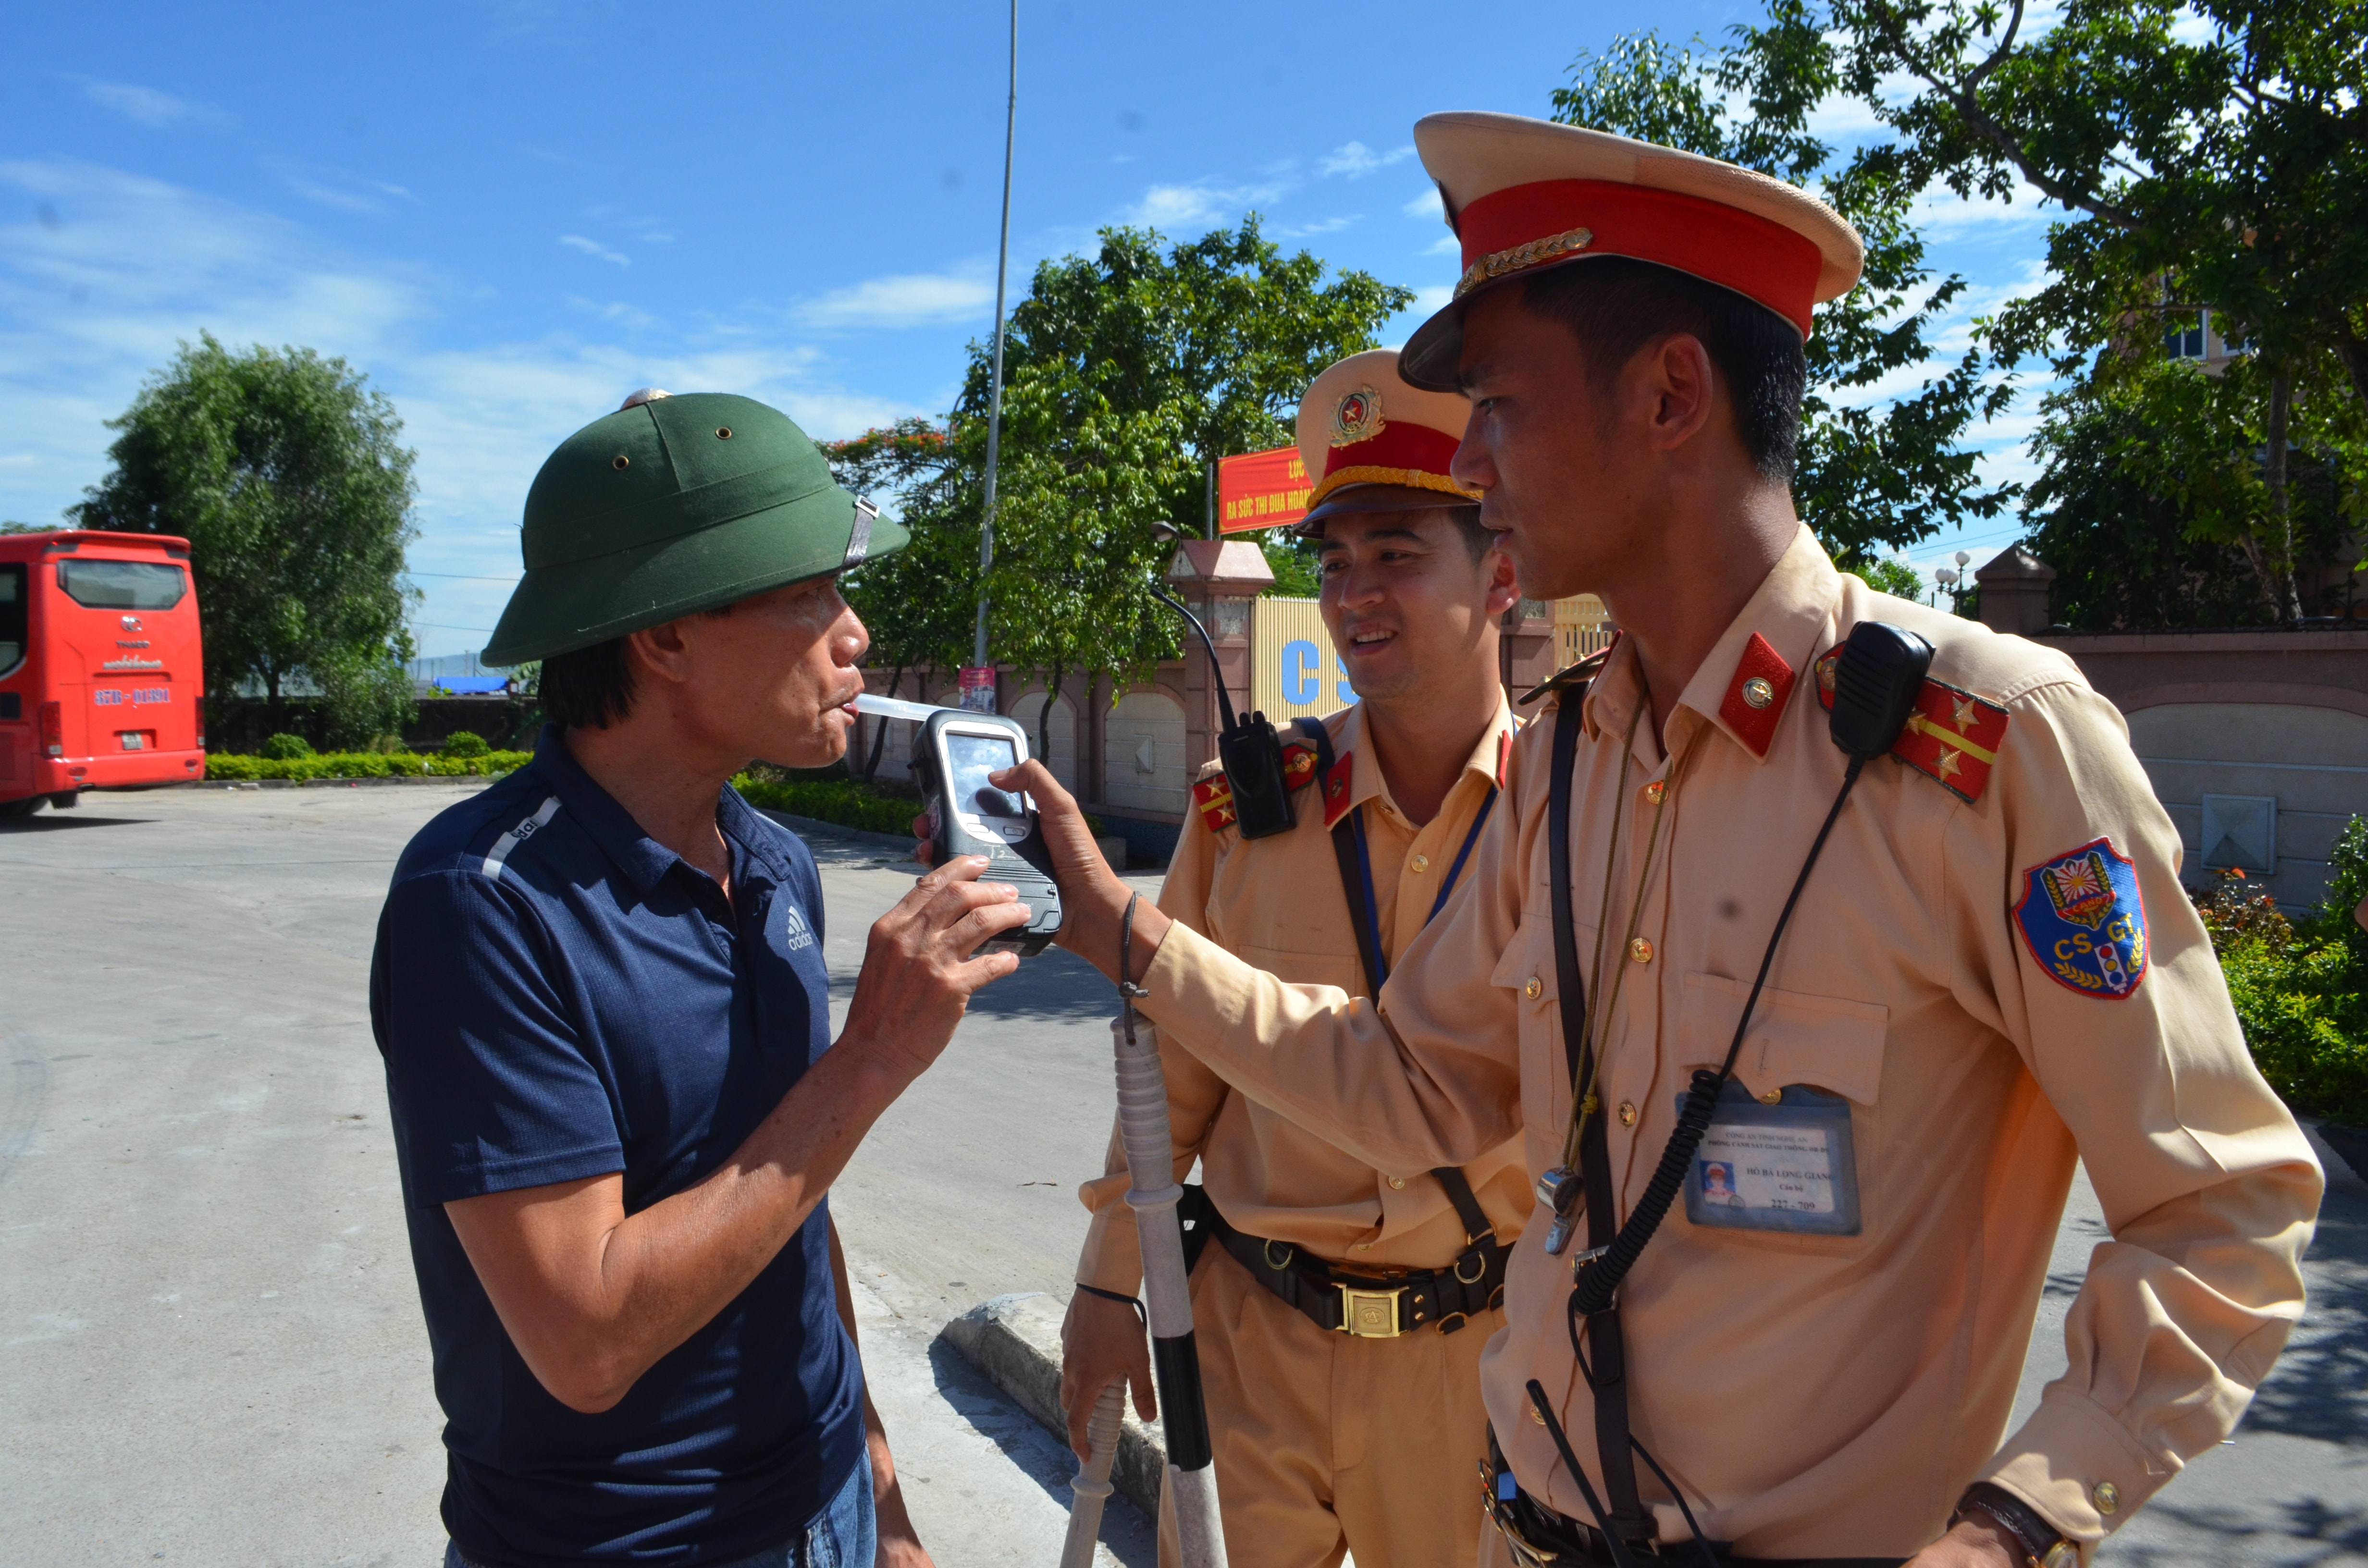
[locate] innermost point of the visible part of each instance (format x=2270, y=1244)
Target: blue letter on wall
x=1342, y=690
x=1301, y=678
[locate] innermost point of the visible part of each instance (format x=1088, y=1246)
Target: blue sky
x=511, y=213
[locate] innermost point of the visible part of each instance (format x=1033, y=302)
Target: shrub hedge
x=2300, y=984
x=842, y=800
x=361, y=764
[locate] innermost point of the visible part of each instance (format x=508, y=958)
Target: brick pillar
x=2014, y=592
x=1218, y=578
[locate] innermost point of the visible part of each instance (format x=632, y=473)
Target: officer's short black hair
x=592, y=689
x=1614, y=305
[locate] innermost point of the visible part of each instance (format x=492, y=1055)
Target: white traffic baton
x=1191, y=1480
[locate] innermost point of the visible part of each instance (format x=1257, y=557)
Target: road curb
x=1015, y=1342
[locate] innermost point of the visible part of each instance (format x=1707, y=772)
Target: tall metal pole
x=995, y=382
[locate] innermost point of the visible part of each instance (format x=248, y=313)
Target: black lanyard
x=1377, y=963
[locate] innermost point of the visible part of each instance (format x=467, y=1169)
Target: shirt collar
x=644, y=860
x=1772, y=640
x=1365, y=781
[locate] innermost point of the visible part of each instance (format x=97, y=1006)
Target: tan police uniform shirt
x=1278, y=903
x=1832, y=1394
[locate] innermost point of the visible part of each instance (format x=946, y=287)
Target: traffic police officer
x=1992, y=972
x=1342, y=1311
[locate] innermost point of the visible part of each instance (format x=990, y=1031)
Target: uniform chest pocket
x=1294, y=968
x=1782, y=1154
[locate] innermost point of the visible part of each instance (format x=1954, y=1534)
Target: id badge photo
x=1787, y=1166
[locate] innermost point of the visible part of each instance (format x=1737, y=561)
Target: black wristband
x=2037, y=1538
x=1114, y=1296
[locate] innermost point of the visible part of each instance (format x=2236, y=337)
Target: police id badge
x=1787, y=1166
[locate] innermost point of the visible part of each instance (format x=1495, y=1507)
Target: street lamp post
x=995, y=379
x=1953, y=581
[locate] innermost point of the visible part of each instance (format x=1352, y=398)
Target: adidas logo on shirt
x=796, y=931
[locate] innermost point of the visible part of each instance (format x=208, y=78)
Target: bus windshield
x=122, y=585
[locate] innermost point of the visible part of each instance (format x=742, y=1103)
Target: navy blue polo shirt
x=558, y=996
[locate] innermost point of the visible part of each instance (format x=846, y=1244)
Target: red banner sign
x=1261, y=490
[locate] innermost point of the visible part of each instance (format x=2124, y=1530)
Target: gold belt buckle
x=1369, y=1314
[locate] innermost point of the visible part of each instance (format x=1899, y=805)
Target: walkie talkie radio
x=1247, y=749
x=957, y=751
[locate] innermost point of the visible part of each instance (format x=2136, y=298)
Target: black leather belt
x=1536, y=1535
x=1368, y=1306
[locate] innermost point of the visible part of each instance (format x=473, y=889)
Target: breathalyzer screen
x=970, y=758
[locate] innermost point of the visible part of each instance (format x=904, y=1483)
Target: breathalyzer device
x=957, y=750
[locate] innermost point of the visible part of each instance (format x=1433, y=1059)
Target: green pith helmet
x=671, y=505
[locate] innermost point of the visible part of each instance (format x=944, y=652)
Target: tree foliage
x=1872, y=472
x=1127, y=374
x=2205, y=155
x=285, y=474
x=2153, y=489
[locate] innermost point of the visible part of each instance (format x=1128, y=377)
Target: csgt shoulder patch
x=2084, y=921
x=1953, y=736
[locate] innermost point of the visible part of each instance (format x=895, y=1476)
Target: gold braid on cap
x=1496, y=264
x=1369, y=473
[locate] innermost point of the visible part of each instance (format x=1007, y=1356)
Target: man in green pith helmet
x=599, y=991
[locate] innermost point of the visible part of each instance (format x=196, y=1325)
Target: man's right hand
x=919, y=970
x=1101, y=1341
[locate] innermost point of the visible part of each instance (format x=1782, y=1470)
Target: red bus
x=102, y=679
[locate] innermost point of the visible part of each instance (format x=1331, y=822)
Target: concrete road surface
x=210, y=1349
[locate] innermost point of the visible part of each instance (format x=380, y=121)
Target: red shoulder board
x=1336, y=789
x=1825, y=673
x=1298, y=764
x=1213, y=797
x=1952, y=735
x=1504, y=755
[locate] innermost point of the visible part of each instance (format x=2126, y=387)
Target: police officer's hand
x=1101, y=1341
x=1975, y=1541
x=1093, y=897
x=918, y=969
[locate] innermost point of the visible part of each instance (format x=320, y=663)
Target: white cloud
x=1430, y=301
x=1427, y=205
x=96, y=300
x=1942, y=213
x=146, y=105
x=912, y=300
x=1308, y=231
x=1446, y=245
x=594, y=248
x=1356, y=160
x=1177, y=206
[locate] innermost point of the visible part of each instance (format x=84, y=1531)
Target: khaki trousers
x=1327, y=1444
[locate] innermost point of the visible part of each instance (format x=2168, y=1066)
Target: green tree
x=919, y=603
x=1127, y=374
x=1874, y=472
x=2153, y=485
x=285, y=474
x=2205, y=154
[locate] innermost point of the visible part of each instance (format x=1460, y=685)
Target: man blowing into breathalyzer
x=1868, y=909
x=600, y=994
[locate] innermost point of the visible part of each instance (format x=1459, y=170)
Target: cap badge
x=1357, y=417
x=1496, y=264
